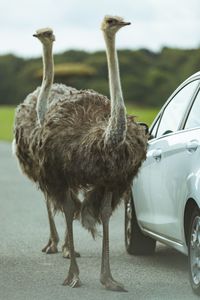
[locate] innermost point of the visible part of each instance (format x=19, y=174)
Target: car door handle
x=157, y=154
x=192, y=146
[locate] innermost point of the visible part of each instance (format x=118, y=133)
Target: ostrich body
x=88, y=142
x=27, y=128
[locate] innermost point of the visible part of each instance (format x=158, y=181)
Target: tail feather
x=90, y=211
x=92, y=205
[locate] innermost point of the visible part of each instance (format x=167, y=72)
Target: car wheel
x=135, y=241
x=194, y=252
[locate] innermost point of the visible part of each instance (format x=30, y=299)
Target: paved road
x=28, y=274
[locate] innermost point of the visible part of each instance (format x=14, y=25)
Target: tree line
x=148, y=78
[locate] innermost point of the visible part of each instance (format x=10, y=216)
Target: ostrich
x=90, y=143
x=28, y=121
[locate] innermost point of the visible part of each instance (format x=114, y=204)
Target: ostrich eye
x=47, y=34
x=110, y=21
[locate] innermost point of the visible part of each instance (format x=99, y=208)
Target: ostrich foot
x=112, y=285
x=72, y=280
x=50, y=248
x=66, y=253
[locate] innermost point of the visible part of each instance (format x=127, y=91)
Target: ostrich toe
x=113, y=285
x=66, y=252
x=72, y=280
x=50, y=248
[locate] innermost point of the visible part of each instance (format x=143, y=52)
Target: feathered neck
x=47, y=81
x=116, y=129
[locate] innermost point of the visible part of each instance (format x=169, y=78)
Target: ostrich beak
x=35, y=35
x=125, y=23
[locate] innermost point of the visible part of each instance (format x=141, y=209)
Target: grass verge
x=7, y=118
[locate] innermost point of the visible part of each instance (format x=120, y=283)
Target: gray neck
x=116, y=129
x=47, y=81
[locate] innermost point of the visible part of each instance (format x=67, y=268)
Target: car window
x=154, y=129
x=193, y=119
x=176, y=108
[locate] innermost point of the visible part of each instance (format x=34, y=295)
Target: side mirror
x=145, y=126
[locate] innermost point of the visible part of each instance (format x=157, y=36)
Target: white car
x=164, y=204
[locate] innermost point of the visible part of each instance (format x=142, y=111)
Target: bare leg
x=51, y=246
x=73, y=274
x=65, y=247
x=106, y=276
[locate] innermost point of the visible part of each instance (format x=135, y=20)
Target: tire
x=136, y=242
x=194, y=252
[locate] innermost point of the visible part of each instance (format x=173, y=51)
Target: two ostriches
x=81, y=141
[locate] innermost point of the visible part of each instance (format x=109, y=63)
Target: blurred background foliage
x=148, y=78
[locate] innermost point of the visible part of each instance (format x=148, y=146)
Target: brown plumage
x=72, y=147
x=27, y=129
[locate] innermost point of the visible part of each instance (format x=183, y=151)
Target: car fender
x=193, y=187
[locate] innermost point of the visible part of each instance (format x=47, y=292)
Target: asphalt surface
x=28, y=274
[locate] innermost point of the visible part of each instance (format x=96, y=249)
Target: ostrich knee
x=65, y=247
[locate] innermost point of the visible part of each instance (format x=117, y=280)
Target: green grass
x=143, y=114
x=6, y=122
x=7, y=116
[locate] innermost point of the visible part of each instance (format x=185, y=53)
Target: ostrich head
x=45, y=35
x=111, y=24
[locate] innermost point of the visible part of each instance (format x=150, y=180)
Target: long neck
x=116, y=129
x=47, y=81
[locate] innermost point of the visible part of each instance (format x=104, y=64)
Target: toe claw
x=112, y=285
x=72, y=281
x=44, y=249
x=50, y=248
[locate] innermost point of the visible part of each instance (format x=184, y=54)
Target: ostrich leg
x=106, y=276
x=65, y=247
x=73, y=273
x=51, y=246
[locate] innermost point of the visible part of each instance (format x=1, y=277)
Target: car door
x=162, y=179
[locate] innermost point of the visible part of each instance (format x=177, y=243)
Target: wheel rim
x=195, y=251
x=128, y=221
